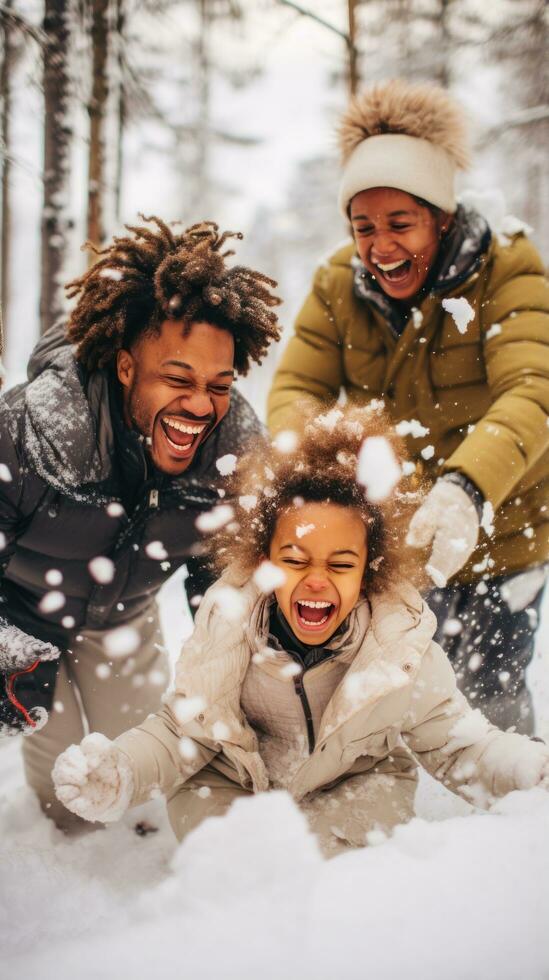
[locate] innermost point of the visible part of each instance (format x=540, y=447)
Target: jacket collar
x=460, y=255
x=69, y=436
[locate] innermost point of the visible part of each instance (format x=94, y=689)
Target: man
x=108, y=458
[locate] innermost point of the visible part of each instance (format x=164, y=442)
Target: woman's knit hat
x=409, y=136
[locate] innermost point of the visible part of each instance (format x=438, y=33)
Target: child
x=311, y=665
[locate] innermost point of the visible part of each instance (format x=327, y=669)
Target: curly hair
x=319, y=463
x=140, y=281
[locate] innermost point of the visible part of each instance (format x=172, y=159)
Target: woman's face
x=321, y=547
x=397, y=239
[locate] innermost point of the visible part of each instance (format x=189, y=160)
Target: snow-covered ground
x=455, y=894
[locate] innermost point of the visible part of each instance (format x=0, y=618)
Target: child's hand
x=94, y=779
x=448, y=522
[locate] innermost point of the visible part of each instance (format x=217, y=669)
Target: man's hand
x=448, y=522
x=94, y=779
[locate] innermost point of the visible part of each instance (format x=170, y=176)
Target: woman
x=449, y=325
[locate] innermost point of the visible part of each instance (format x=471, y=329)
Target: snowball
x=461, y=311
x=186, y=709
x=122, y=641
x=53, y=577
x=68, y=622
x=475, y=662
x=226, y=464
x=58, y=707
x=101, y=569
x=519, y=591
x=451, y=627
x=230, y=602
x=156, y=551
x=268, y=577
x=329, y=420
x=411, y=427
x=290, y=670
x=438, y=578
x=220, y=731
x=157, y=677
x=5, y=473
x=114, y=509
x=286, y=441
x=408, y=468
x=103, y=671
x=378, y=469
x=204, y=792
x=213, y=520
x=417, y=318
x=248, y=501
x=303, y=529
x=114, y=274
x=493, y=331
x=52, y=601
x=187, y=749
x=428, y=452
x=486, y=521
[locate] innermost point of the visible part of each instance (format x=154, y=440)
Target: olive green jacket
x=482, y=394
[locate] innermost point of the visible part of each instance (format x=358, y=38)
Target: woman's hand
x=94, y=779
x=448, y=522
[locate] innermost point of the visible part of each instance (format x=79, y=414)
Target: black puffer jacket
x=75, y=484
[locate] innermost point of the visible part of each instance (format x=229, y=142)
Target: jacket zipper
x=300, y=691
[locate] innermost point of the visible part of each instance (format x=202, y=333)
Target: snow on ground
x=455, y=894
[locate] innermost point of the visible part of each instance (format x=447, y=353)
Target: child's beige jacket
x=396, y=703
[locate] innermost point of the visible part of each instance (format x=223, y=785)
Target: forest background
x=225, y=110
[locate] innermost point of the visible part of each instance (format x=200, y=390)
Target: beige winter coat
x=397, y=703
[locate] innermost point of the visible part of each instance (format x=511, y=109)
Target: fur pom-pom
x=421, y=110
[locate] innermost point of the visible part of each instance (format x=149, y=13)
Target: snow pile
x=249, y=895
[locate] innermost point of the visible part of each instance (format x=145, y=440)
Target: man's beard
x=140, y=420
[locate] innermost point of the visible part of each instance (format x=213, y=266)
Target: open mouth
x=181, y=435
x=394, y=272
x=314, y=614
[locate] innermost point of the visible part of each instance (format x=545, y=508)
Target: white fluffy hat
x=404, y=135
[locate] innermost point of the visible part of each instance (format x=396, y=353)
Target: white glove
x=448, y=520
x=94, y=779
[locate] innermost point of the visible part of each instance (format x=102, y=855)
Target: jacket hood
x=68, y=429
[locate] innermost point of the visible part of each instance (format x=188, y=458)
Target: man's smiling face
x=176, y=389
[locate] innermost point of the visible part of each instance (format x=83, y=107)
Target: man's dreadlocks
x=139, y=282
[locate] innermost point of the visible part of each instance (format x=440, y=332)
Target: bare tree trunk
x=121, y=110
x=97, y=109
x=202, y=196
x=443, y=72
x=352, y=48
x=6, y=33
x=57, y=141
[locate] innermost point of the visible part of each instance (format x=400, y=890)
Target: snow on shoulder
x=461, y=312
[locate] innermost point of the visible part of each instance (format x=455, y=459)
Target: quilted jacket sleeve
x=458, y=746
x=311, y=367
x=513, y=434
x=159, y=761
